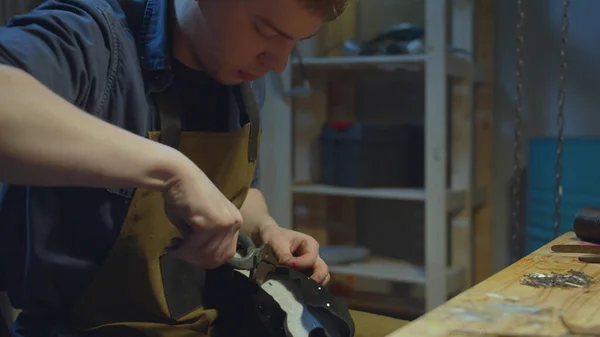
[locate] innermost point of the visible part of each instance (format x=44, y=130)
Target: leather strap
x=253, y=114
x=170, y=121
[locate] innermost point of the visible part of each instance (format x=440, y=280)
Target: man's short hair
x=328, y=9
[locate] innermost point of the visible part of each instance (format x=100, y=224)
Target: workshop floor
x=370, y=325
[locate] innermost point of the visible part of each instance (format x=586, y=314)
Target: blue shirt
x=109, y=58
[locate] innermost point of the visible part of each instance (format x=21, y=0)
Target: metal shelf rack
x=439, y=201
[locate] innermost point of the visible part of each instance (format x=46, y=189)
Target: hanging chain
x=516, y=242
x=560, y=118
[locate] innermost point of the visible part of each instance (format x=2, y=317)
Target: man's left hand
x=296, y=250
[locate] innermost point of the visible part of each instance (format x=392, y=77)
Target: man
x=128, y=142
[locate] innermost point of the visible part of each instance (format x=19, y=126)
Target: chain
x=516, y=174
x=560, y=118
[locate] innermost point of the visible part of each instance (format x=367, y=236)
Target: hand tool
x=260, y=261
x=587, y=224
x=587, y=228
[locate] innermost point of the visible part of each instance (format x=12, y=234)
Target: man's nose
x=277, y=60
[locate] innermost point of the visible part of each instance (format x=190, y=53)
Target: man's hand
x=296, y=250
x=208, y=221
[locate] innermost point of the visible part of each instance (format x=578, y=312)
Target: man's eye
x=264, y=30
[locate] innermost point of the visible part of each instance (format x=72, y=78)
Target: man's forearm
x=46, y=141
x=255, y=214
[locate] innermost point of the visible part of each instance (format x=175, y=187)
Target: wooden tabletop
x=502, y=306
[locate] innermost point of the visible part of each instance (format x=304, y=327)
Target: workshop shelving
x=446, y=194
x=397, y=271
x=455, y=200
x=457, y=66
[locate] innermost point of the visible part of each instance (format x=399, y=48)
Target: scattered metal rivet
x=572, y=279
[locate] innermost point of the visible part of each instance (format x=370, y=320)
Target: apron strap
x=253, y=114
x=170, y=121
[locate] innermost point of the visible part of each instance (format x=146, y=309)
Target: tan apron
x=141, y=290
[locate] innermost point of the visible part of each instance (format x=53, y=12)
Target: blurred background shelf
x=396, y=271
x=457, y=65
x=383, y=193
x=389, y=151
x=455, y=199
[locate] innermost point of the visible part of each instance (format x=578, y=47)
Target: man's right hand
x=207, y=220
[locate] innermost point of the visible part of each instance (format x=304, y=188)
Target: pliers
x=260, y=261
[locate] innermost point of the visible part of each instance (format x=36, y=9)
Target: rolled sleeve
x=67, y=45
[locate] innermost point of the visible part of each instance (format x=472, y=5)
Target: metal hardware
x=572, y=279
x=249, y=254
x=516, y=239
x=260, y=261
x=560, y=118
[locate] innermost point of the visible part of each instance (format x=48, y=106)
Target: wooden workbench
x=502, y=305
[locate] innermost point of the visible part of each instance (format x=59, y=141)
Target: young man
x=128, y=140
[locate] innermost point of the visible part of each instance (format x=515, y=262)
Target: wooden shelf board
x=455, y=199
x=358, y=61
x=457, y=66
x=379, y=193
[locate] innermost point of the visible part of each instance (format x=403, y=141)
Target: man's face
x=241, y=40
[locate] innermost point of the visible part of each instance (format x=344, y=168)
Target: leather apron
x=141, y=290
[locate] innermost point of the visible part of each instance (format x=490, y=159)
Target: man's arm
x=255, y=214
x=45, y=140
x=58, y=55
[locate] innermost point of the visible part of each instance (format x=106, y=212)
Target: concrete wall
x=542, y=60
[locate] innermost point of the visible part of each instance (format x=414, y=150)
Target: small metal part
x=249, y=254
x=572, y=279
x=260, y=261
x=267, y=262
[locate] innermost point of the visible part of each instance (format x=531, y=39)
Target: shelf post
x=463, y=138
x=436, y=232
